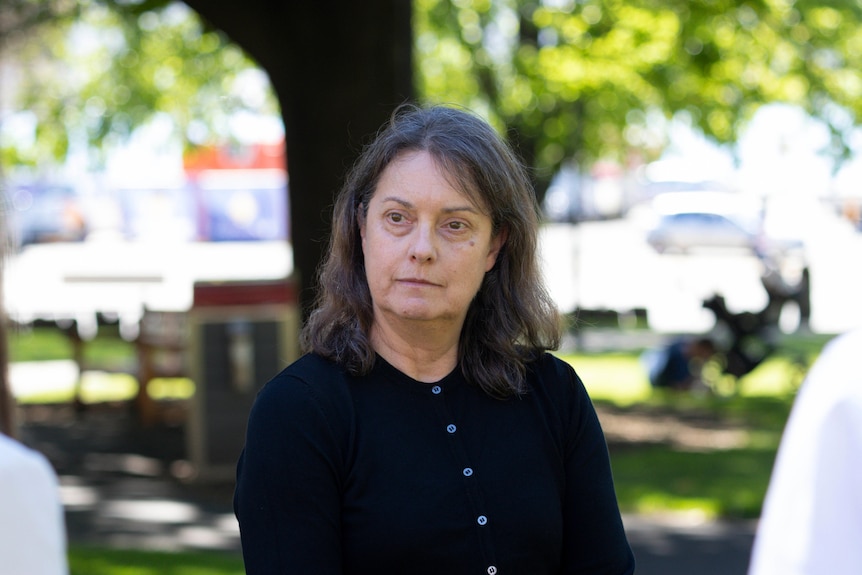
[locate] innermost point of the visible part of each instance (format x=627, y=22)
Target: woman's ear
x=360, y=221
x=497, y=243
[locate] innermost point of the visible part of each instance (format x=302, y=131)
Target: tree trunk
x=7, y=420
x=7, y=404
x=338, y=69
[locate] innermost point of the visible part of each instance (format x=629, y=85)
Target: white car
x=686, y=221
x=685, y=231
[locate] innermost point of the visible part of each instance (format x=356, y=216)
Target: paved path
x=123, y=486
x=677, y=547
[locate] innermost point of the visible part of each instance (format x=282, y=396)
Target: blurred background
x=167, y=170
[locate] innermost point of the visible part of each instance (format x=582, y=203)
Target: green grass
x=38, y=344
x=663, y=478
x=715, y=481
x=100, y=561
x=108, y=358
x=107, y=349
x=721, y=483
x=101, y=387
x=620, y=377
x=616, y=377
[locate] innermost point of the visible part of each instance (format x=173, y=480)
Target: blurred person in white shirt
x=32, y=526
x=812, y=515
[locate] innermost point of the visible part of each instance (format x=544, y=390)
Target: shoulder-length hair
x=511, y=320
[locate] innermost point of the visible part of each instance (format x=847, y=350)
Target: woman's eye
x=457, y=226
x=395, y=217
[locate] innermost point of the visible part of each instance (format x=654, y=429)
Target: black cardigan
x=383, y=474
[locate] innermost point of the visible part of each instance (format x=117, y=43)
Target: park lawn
x=710, y=485
x=660, y=478
x=109, y=358
x=621, y=377
x=45, y=343
x=101, y=561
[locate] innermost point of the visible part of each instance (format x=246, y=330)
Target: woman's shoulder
x=305, y=403
x=548, y=365
x=557, y=391
x=311, y=380
x=554, y=377
x=310, y=366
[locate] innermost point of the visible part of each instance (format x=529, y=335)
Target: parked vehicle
x=44, y=212
x=702, y=219
x=689, y=230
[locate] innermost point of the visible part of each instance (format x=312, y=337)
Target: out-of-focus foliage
x=19, y=17
x=572, y=79
x=585, y=79
x=94, y=78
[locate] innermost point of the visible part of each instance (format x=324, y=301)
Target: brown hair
x=511, y=319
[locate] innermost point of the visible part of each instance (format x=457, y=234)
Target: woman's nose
x=423, y=247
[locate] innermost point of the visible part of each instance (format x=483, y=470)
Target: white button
x=451, y=428
x=492, y=570
x=436, y=390
x=481, y=520
x=468, y=472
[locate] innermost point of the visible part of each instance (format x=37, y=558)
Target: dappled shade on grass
x=708, y=455
x=723, y=483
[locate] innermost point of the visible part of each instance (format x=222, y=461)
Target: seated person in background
x=679, y=365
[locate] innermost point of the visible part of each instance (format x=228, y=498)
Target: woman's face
x=426, y=245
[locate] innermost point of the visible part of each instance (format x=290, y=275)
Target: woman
x=426, y=430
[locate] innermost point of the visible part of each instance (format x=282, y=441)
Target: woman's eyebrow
x=410, y=205
x=397, y=200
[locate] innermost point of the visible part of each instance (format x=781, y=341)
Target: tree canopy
x=570, y=79
x=96, y=74
x=587, y=79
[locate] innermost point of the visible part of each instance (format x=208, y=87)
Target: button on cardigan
x=382, y=474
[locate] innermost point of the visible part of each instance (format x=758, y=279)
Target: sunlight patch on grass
x=622, y=379
x=774, y=377
x=619, y=379
x=729, y=483
x=665, y=503
x=99, y=386
x=95, y=387
x=171, y=388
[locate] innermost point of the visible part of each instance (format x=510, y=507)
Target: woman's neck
x=424, y=355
